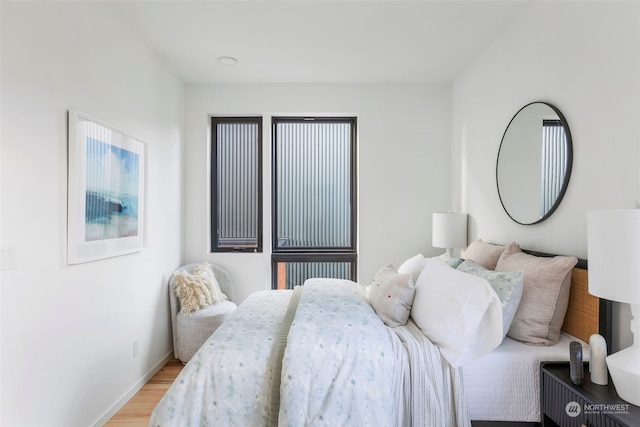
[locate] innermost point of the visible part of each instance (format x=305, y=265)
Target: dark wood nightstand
x=566, y=404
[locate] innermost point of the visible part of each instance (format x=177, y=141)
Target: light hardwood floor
x=137, y=411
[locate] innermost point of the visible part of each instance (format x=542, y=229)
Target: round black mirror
x=534, y=163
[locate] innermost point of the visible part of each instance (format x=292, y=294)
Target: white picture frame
x=106, y=191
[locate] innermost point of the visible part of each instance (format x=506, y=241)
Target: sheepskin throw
x=212, y=284
x=197, y=290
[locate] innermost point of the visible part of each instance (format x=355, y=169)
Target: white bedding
x=337, y=368
x=504, y=385
x=228, y=382
x=337, y=364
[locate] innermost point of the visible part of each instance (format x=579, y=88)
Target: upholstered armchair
x=190, y=332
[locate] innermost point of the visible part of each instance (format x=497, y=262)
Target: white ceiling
x=329, y=41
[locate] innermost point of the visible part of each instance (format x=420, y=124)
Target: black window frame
x=214, y=238
x=351, y=258
x=314, y=254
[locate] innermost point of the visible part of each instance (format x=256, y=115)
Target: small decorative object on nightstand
x=566, y=404
x=576, y=367
x=597, y=361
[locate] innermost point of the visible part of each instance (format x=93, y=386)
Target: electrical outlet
x=136, y=347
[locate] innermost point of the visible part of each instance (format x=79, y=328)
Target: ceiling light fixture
x=228, y=60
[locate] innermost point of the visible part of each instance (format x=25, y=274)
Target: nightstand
x=566, y=404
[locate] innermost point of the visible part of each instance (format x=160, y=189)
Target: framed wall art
x=106, y=190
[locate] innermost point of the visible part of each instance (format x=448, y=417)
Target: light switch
x=8, y=258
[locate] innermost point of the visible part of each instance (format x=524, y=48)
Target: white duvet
x=315, y=356
x=230, y=380
x=337, y=348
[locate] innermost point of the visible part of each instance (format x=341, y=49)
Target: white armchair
x=189, y=333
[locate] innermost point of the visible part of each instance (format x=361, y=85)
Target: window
x=236, y=184
x=314, y=199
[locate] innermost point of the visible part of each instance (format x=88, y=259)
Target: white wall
x=68, y=331
x=584, y=57
x=403, y=151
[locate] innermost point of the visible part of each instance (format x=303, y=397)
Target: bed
x=493, y=383
x=334, y=352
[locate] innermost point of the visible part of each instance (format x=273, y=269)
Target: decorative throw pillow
x=204, y=271
x=484, y=254
x=545, y=295
x=450, y=261
x=192, y=292
x=508, y=286
x=391, y=296
x=460, y=313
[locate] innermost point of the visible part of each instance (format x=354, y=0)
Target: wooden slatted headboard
x=583, y=314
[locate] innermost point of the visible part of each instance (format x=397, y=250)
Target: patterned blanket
x=315, y=356
x=231, y=380
x=338, y=365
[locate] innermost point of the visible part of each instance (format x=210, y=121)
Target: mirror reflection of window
x=554, y=163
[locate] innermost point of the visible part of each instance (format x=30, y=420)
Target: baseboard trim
x=106, y=416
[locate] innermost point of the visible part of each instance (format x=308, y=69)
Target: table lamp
x=613, y=244
x=449, y=231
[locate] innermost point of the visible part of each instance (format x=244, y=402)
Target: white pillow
x=413, y=266
x=458, y=312
x=416, y=263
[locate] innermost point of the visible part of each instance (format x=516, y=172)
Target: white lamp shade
x=449, y=230
x=613, y=244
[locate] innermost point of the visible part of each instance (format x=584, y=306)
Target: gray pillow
x=391, y=296
x=508, y=286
